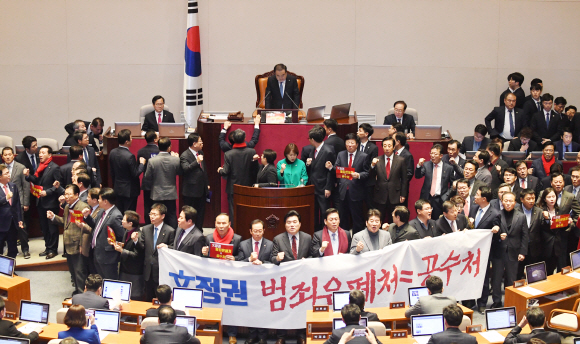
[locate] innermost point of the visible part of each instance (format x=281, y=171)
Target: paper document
x=103, y=334
x=492, y=336
x=422, y=339
x=31, y=326
x=574, y=275
x=531, y=291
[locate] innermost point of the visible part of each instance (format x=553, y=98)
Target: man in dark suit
x=256, y=250
x=10, y=212
x=364, y=132
x=91, y=298
x=227, y=145
x=163, y=294
x=546, y=160
x=29, y=158
x=331, y=240
x=450, y=221
x=282, y=90
x=534, y=218
x=320, y=174
x=8, y=327
x=150, y=150
x=351, y=316
x=188, y=237
x=357, y=297
x=289, y=246
x=438, y=179
x=535, y=318
x=66, y=170
x=194, y=181
x=17, y=177
x=533, y=102
x=453, y=315
x=105, y=259
x=523, y=143
x=515, y=81
x=79, y=125
x=402, y=150
x=546, y=124
x=331, y=127
x=400, y=230
x=125, y=172
x=496, y=165
x=81, y=138
x=475, y=142
x=47, y=172
x=575, y=187
x=158, y=115
x=167, y=331
x=223, y=234
x=305, y=153
x=94, y=129
x=407, y=121
x=390, y=173
x=151, y=239
x=566, y=144
x=423, y=223
x=351, y=192
x=512, y=248
x=267, y=175
x=508, y=120
x=452, y=158
x=240, y=166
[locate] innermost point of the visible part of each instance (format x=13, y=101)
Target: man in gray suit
x=453, y=316
x=371, y=238
x=188, y=238
x=162, y=171
x=434, y=302
x=19, y=179
x=574, y=188
x=194, y=183
x=438, y=180
x=92, y=298
x=167, y=332
x=400, y=230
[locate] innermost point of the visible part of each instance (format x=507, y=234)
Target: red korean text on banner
x=560, y=221
x=220, y=251
x=344, y=172
x=111, y=238
x=77, y=215
x=35, y=190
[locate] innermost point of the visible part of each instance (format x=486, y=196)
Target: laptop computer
x=381, y=131
x=117, y=289
x=577, y=340
x=415, y=293
x=575, y=259
x=34, y=313
x=339, y=299
x=340, y=111
x=511, y=156
x=190, y=298
x=536, y=155
x=570, y=156
x=339, y=323
x=426, y=325
x=428, y=132
x=536, y=273
x=172, y=130
x=315, y=113
x=13, y=340
x=134, y=127
x=187, y=321
x=7, y=265
x=500, y=318
x=109, y=321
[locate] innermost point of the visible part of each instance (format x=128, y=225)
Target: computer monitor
x=134, y=127
x=469, y=155
x=428, y=132
x=381, y=131
x=577, y=340
x=570, y=156
x=12, y=340
x=340, y=111
x=511, y=156
x=117, y=289
x=7, y=265
x=339, y=299
x=290, y=115
x=415, y=293
x=34, y=312
x=426, y=325
x=536, y=272
x=190, y=298
x=575, y=259
x=175, y=130
x=500, y=318
x=108, y=320
x=188, y=322
x=315, y=113
x=338, y=323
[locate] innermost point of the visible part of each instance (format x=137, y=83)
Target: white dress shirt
x=506, y=134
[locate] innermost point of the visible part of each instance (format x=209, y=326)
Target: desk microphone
x=266, y=96
x=286, y=94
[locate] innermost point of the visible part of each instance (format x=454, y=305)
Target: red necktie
x=523, y=184
x=294, y=250
x=350, y=160
x=466, y=208
x=315, y=153
x=388, y=169
x=6, y=191
x=159, y=118
x=256, y=248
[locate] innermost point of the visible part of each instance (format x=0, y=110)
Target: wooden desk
x=205, y=318
x=322, y=321
x=14, y=289
x=555, y=284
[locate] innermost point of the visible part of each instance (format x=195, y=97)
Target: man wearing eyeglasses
x=508, y=120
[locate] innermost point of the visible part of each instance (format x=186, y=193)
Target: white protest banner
x=274, y=296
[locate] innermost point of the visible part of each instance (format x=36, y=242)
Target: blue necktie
x=155, y=238
x=33, y=161
x=512, y=130
x=86, y=155
x=548, y=120
x=478, y=217
x=476, y=146
x=282, y=93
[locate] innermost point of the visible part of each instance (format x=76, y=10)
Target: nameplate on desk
x=320, y=308
x=398, y=334
x=142, y=331
x=394, y=305
x=155, y=302
x=319, y=335
x=519, y=283
x=474, y=328
x=10, y=315
x=566, y=270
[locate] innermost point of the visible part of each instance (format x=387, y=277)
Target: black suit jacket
x=150, y=121
x=239, y=168
x=467, y=144
x=131, y=258
x=560, y=148
x=274, y=99
x=154, y=312
x=8, y=329
x=282, y=244
x=24, y=160
x=390, y=189
x=447, y=174
x=148, y=248
x=226, y=146
x=520, y=97
x=356, y=187
x=193, y=242
x=530, y=109
x=125, y=171
x=50, y=174
x=488, y=220
x=516, y=144
x=66, y=173
x=317, y=243
x=147, y=152
x=408, y=122
x=267, y=176
x=515, y=337
x=409, y=163
x=103, y=251
x=407, y=232
x=531, y=183
x=371, y=150
x=70, y=130
x=442, y=226
x=264, y=254
x=541, y=131
x=498, y=116
x=496, y=177
x=535, y=242
x=517, y=239
x=194, y=180
x=236, y=240
x=10, y=214
x=452, y=335
x=168, y=334
x=337, y=334
x=539, y=171
x=318, y=175
x=430, y=231
x=457, y=171
x=335, y=142
x=305, y=152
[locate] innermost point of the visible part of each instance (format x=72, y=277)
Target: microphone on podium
x=258, y=107
x=297, y=107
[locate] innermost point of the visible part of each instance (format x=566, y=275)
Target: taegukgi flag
x=193, y=92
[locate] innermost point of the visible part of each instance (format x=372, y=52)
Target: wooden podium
x=271, y=205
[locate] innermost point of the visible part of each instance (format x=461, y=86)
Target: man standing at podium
x=282, y=90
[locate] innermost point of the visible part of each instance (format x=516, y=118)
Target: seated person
x=407, y=121
x=8, y=329
x=163, y=293
x=282, y=90
x=535, y=318
x=400, y=230
x=357, y=297
x=92, y=298
x=434, y=302
x=477, y=141
x=566, y=144
x=524, y=143
x=371, y=238
x=541, y=166
x=76, y=320
x=351, y=317
x=453, y=315
x=167, y=331
x=158, y=115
